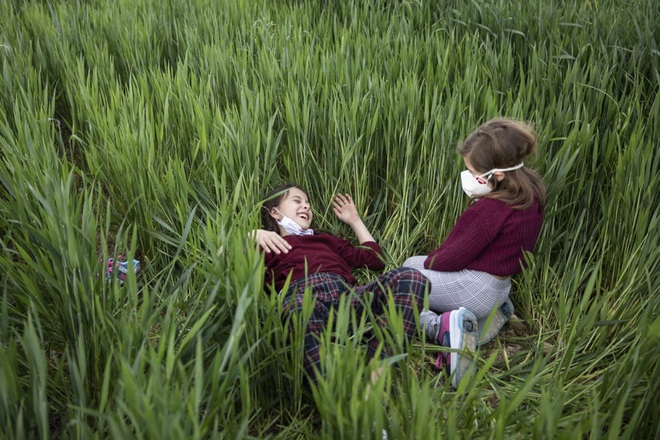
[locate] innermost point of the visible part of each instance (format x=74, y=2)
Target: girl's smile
x=296, y=206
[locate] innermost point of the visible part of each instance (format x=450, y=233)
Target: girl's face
x=294, y=205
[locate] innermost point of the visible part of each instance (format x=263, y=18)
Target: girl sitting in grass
x=321, y=263
x=472, y=268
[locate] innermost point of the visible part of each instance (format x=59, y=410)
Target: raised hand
x=270, y=241
x=345, y=210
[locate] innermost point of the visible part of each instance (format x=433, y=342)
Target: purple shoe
x=459, y=331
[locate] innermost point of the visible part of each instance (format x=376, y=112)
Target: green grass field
x=151, y=129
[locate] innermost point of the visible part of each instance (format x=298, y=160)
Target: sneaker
x=502, y=315
x=459, y=331
x=430, y=321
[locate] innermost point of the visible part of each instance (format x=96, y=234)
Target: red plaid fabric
x=407, y=286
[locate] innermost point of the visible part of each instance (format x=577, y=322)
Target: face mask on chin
x=291, y=226
x=475, y=186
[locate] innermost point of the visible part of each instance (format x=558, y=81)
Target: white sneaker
x=502, y=314
x=459, y=331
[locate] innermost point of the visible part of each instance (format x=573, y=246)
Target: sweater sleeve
x=368, y=254
x=473, y=232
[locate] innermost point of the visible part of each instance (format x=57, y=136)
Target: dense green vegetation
x=151, y=128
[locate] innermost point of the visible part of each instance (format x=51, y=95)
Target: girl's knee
x=414, y=275
x=412, y=283
x=292, y=305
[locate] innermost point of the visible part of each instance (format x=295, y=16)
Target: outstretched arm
x=345, y=211
x=270, y=241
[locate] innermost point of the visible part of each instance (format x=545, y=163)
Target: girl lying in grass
x=472, y=268
x=322, y=264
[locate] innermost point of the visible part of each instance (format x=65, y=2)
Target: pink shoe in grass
x=457, y=330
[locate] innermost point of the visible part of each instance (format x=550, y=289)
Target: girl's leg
x=408, y=287
x=479, y=292
x=327, y=290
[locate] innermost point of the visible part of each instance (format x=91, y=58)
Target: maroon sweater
x=321, y=253
x=489, y=237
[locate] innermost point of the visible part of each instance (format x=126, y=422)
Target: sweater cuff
x=373, y=246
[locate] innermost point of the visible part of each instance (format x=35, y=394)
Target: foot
x=490, y=329
x=459, y=331
x=431, y=323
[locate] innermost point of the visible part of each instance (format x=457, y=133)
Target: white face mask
x=292, y=227
x=478, y=185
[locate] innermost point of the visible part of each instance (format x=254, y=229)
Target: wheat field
x=152, y=129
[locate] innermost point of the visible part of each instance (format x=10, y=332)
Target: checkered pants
x=407, y=285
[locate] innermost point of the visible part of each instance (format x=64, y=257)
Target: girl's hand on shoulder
x=270, y=241
x=345, y=209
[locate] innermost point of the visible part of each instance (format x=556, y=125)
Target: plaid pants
x=407, y=286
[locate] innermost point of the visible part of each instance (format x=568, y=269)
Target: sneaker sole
x=464, y=335
x=502, y=315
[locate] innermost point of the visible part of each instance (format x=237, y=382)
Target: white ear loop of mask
x=500, y=170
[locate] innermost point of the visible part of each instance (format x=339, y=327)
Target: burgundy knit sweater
x=321, y=253
x=489, y=237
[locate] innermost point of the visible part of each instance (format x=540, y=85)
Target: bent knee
x=413, y=276
x=292, y=306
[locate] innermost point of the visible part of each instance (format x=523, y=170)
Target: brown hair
x=504, y=143
x=271, y=200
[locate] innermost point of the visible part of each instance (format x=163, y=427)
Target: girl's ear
x=274, y=213
x=499, y=176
